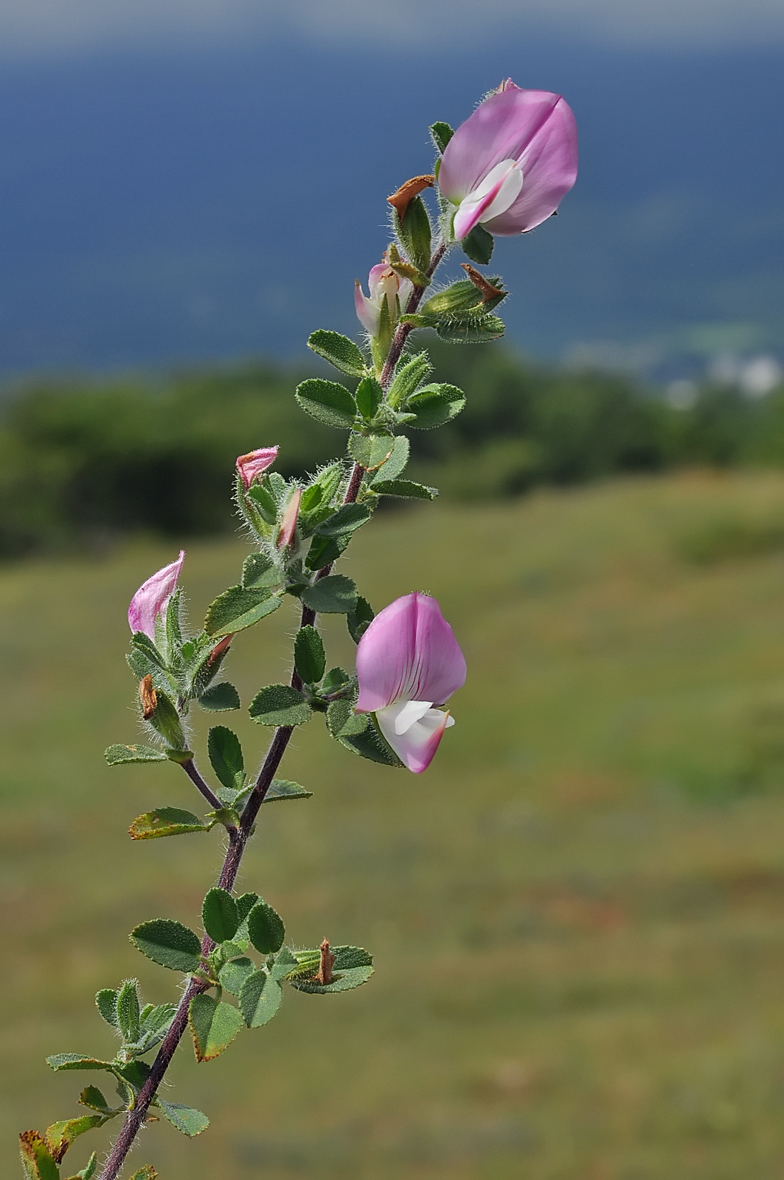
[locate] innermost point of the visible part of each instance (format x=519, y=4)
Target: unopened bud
x=288, y=524
x=219, y=648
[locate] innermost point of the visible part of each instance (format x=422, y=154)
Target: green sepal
x=225, y=754
x=358, y=733
x=265, y=928
x=185, y=1119
x=281, y=788
x=359, y=619
x=414, y=233
x=434, y=405
x=127, y=1008
x=335, y=595
x=220, y=698
x=353, y=966
x=440, y=133
x=338, y=350
x=263, y=501
x=224, y=815
x=36, y=1159
x=370, y=450
x=408, y=377
x=327, y=402
x=234, y=973
x=369, y=396
x=309, y=658
x=471, y=331
x=320, y=493
x=168, y=943
x=238, y=608
x=166, y=721
x=260, y=998
x=219, y=915
x=106, y=1003
x=478, y=245
x=166, y=821
x=214, y=1025
x=179, y=756
x=259, y=570
x=406, y=489
x=118, y=755
x=279, y=704
x=143, y=644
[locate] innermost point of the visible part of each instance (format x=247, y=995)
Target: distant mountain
x=165, y=209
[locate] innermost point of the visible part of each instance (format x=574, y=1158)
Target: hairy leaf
x=116, y=755
x=279, y=704
x=188, y=1121
x=168, y=943
x=281, y=788
x=405, y=489
x=265, y=928
x=260, y=999
x=219, y=915
x=225, y=753
x=238, y=608
x=166, y=821
x=220, y=697
x=309, y=658
x=338, y=350
x=327, y=402
x=214, y=1025
x=335, y=595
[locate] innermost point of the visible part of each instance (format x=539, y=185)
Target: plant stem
x=238, y=837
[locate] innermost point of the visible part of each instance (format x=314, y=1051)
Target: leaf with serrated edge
x=36, y=1160
x=260, y=999
x=214, y=1025
x=92, y=1097
x=59, y=1061
x=281, y=788
x=370, y=451
x=238, y=608
x=405, y=489
x=219, y=698
x=328, y=402
x=396, y=463
x=59, y=1136
x=265, y=928
x=117, y=755
x=338, y=350
x=309, y=658
x=166, y=821
x=335, y=594
x=106, y=1003
x=219, y=915
x=234, y=973
x=279, y=704
x=188, y=1121
x=146, y=1173
x=168, y=943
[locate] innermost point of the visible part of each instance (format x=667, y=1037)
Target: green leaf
x=281, y=788
x=238, y=608
x=146, y=1173
x=286, y=963
x=234, y=973
x=353, y=966
x=187, y=1120
x=409, y=376
x=395, y=464
x=359, y=619
x=260, y=999
x=106, y=1003
x=168, y=943
x=405, y=488
x=333, y=595
x=345, y=520
x=338, y=350
x=91, y=1096
x=324, y=550
x=225, y=752
x=434, y=405
x=327, y=402
x=478, y=245
x=259, y=570
x=487, y=327
x=369, y=396
x=279, y=704
x=133, y=1072
x=358, y=733
x=441, y=133
x=61, y=1061
x=166, y=721
x=214, y=1025
x=61, y=1135
x=414, y=233
x=309, y=658
x=36, y=1160
x=142, y=643
x=220, y=697
x=370, y=450
x=166, y=821
x=128, y=1010
x=265, y=928
x=219, y=915
x=262, y=498
x=116, y=755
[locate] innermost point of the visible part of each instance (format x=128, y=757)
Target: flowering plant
x=502, y=172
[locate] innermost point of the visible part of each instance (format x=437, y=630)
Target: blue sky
x=186, y=181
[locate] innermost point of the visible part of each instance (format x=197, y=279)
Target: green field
x=577, y=914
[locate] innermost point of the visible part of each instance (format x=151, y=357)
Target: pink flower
x=288, y=524
x=383, y=284
x=254, y=463
x=152, y=596
x=508, y=166
x=408, y=661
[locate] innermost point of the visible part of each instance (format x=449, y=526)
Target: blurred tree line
x=80, y=463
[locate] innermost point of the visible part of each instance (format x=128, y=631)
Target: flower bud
x=254, y=463
x=384, y=286
x=152, y=597
x=288, y=524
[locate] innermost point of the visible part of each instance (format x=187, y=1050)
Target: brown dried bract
x=148, y=697
x=406, y=193
x=326, y=963
x=479, y=281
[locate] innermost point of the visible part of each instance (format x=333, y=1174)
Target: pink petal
x=254, y=463
x=367, y=312
x=152, y=596
x=495, y=194
x=288, y=524
x=408, y=653
x=416, y=747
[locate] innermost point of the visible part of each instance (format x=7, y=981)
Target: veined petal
x=254, y=463
x=367, y=312
x=415, y=747
x=152, y=596
x=493, y=196
x=408, y=653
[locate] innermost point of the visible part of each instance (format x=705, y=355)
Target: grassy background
x=575, y=914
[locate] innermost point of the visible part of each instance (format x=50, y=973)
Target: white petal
x=417, y=746
x=403, y=714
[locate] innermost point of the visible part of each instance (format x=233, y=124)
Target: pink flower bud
x=254, y=463
x=408, y=660
x=152, y=596
x=383, y=284
x=510, y=164
x=288, y=524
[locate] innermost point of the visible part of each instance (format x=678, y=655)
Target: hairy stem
x=238, y=837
